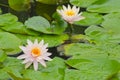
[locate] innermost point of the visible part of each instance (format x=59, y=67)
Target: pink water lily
x=35, y=53
x=70, y=14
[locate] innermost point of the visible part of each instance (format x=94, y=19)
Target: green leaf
x=52, y=40
x=16, y=78
x=105, y=6
x=18, y=27
x=90, y=19
x=9, y=43
x=2, y=56
x=53, y=71
x=111, y=22
x=52, y=1
x=93, y=30
x=6, y=19
x=80, y=50
x=39, y=24
x=76, y=49
x=59, y=25
x=11, y=66
x=116, y=76
x=82, y=3
x=14, y=66
x=4, y=75
x=95, y=69
x=19, y=5
x=98, y=35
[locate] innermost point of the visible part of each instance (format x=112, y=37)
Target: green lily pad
x=90, y=19
x=9, y=43
x=53, y=71
x=105, y=6
x=2, y=56
x=52, y=40
x=95, y=69
x=6, y=19
x=82, y=3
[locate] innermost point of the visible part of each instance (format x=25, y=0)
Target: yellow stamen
x=36, y=52
x=70, y=13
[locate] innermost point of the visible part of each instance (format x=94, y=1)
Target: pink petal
x=77, y=10
x=44, y=51
x=36, y=42
x=79, y=18
x=35, y=64
x=26, y=60
x=45, y=46
x=22, y=56
x=22, y=47
x=28, y=64
x=59, y=11
x=29, y=42
x=42, y=62
x=74, y=8
x=41, y=43
x=47, y=54
x=69, y=8
x=47, y=58
x=64, y=8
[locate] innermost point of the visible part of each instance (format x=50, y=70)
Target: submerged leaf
x=19, y=5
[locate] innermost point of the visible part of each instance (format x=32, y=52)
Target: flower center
x=36, y=52
x=70, y=13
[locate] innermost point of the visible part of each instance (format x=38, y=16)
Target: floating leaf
x=95, y=69
x=105, y=6
x=84, y=50
x=39, y=24
x=98, y=35
x=2, y=56
x=111, y=22
x=59, y=25
x=82, y=3
x=14, y=66
x=7, y=19
x=53, y=71
x=9, y=43
x=4, y=75
x=18, y=27
x=52, y=40
x=90, y=19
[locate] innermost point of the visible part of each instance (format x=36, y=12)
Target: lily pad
x=82, y=3
x=52, y=40
x=105, y=6
x=9, y=43
x=90, y=19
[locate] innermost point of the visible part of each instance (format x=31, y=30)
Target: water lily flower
x=35, y=53
x=70, y=14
